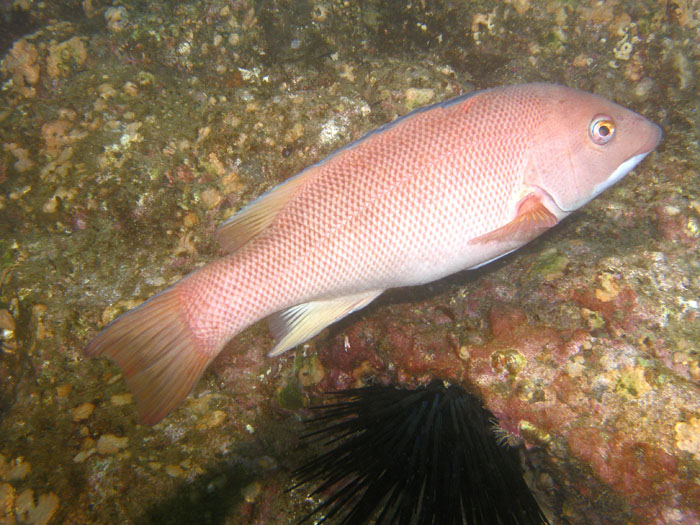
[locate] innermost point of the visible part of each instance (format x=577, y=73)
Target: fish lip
x=653, y=141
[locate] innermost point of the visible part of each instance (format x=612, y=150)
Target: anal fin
x=299, y=323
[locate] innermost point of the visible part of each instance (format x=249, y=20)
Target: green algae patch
x=290, y=396
x=550, y=264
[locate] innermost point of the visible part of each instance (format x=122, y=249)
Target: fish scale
x=445, y=188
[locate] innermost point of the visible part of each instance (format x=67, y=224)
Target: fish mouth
x=652, y=141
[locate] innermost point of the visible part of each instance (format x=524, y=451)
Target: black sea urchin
x=425, y=456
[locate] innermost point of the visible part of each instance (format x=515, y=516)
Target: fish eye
x=601, y=129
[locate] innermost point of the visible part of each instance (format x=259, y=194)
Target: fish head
x=583, y=145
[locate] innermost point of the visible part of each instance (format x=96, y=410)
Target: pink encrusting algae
x=448, y=187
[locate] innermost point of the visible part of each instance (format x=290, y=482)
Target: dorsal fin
x=257, y=215
x=293, y=326
x=531, y=220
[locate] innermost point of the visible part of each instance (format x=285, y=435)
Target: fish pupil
x=601, y=130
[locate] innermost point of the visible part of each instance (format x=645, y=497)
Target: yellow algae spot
x=688, y=436
x=19, y=469
x=21, y=64
x=311, y=372
x=106, y=91
x=231, y=182
x=348, y=73
x=694, y=370
x=63, y=390
x=692, y=228
x=130, y=88
x=35, y=512
x=416, y=97
x=508, y=360
x=87, y=449
x=116, y=18
x=481, y=19
x=7, y=503
x=109, y=444
x=214, y=420
x=532, y=432
x=463, y=353
x=592, y=319
x=215, y=165
x=363, y=372
x=210, y=198
x=294, y=133
x=118, y=308
x=83, y=411
x=608, y=288
x=121, y=399
x=203, y=133
x=174, y=471
x=202, y=406
x=520, y=6
x=7, y=322
x=7, y=330
x=190, y=220
x=632, y=383
x=22, y=155
x=62, y=56
x=251, y=492
x=576, y=367
x=83, y=455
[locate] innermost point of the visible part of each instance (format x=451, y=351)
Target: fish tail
x=158, y=353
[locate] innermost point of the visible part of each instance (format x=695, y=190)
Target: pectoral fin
x=532, y=219
x=297, y=324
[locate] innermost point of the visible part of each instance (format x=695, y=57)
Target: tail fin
x=157, y=352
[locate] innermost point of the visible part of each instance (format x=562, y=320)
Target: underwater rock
x=21, y=64
x=35, y=512
x=65, y=56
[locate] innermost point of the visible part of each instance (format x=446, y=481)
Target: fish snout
x=653, y=136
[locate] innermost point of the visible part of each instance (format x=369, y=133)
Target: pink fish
x=445, y=188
